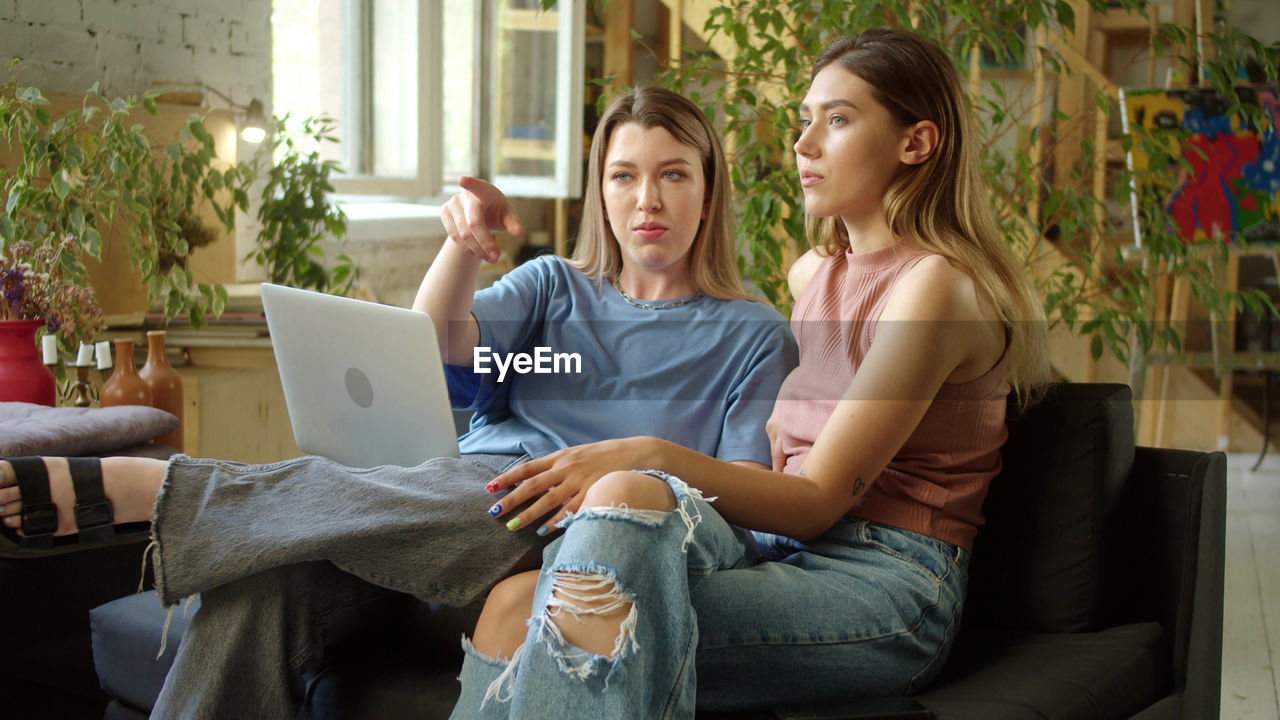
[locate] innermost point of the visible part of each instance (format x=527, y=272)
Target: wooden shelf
x=529, y=20
x=526, y=149
x=1118, y=21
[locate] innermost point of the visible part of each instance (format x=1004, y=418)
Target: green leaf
x=173, y=303
x=61, y=184
x=73, y=156
x=31, y=95
x=91, y=241
x=198, y=130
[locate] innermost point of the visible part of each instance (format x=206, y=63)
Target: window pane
x=524, y=89
x=394, y=110
x=356, y=61
x=311, y=39
x=461, y=133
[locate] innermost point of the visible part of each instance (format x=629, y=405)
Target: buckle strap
x=39, y=514
x=93, y=510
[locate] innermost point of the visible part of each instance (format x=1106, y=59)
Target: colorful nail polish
x=544, y=530
x=493, y=511
x=515, y=523
x=491, y=487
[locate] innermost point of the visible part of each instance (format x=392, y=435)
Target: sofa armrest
x=1169, y=531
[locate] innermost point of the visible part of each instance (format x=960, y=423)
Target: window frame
x=427, y=181
x=566, y=182
x=429, y=185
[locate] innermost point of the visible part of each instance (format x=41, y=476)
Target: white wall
x=1260, y=18
x=131, y=46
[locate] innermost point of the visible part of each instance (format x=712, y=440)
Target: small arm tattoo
x=858, y=486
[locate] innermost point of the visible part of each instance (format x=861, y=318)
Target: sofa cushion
x=1000, y=674
x=1038, y=563
x=29, y=429
x=126, y=645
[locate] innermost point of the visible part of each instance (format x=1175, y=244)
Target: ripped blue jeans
x=725, y=619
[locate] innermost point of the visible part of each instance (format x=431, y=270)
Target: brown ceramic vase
x=165, y=384
x=125, y=386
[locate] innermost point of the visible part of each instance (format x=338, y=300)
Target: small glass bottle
x=165, y=384
x=125, y=386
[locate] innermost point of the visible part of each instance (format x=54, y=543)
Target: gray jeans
x=292, y=557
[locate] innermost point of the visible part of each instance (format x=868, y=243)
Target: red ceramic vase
x=22, y=376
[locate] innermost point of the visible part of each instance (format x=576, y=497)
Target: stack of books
x=242, y=323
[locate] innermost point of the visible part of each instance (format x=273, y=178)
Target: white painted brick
x=122, y=50
x=190, y=7
x=168, y=63
x=225, y=76
x=118, y=16
x=239, y=39
x=186, y=24
x=207, y=31
x=54, y=77
x=167, y=27
x=66, y=13
x=120, y=56
x=15, y=41
x=66, y=46
x=39, y=12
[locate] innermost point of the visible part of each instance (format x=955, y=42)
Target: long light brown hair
x=713, y=263
x=941, y=205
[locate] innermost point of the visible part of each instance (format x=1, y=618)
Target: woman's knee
x=635, y=490
x=502, y=624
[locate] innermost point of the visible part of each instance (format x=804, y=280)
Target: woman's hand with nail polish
x=555, y=484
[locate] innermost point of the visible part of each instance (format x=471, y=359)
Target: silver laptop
x=364, y=382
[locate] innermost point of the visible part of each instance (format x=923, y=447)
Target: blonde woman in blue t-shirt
x=273, y=549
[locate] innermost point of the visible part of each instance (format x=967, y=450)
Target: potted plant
x=94, y=168
x=93, y=175
x=36, y=296
x=295, y=216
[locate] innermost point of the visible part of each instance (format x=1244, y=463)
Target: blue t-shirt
x=704, y=374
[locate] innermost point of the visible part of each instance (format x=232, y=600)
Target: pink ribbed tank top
x=936, y=483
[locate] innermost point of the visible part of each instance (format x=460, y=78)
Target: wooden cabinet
x=237, y=412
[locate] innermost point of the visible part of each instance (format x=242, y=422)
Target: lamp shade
x=255, y=122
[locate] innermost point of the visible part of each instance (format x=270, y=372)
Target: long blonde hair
x=713, y=263
x=941, y=205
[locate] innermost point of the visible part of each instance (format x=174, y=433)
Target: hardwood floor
x=1251, y=607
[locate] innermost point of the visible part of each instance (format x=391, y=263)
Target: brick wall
x=131, y=46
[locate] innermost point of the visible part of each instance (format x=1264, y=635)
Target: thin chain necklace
x=643, y=305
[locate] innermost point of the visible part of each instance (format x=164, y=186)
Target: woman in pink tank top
x=841, y=570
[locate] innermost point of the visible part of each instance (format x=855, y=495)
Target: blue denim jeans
x=294, y=557
x=728, y=620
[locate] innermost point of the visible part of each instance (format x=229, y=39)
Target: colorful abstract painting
x=1234, y=175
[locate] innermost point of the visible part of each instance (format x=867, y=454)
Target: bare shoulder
x=802, y=271
x=937, y=289
x=946, y=296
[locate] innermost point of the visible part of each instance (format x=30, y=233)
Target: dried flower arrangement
x=34, y=287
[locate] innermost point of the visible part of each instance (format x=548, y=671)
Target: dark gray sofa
x=1095, y=593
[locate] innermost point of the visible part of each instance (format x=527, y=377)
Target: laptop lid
x=364, y=382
